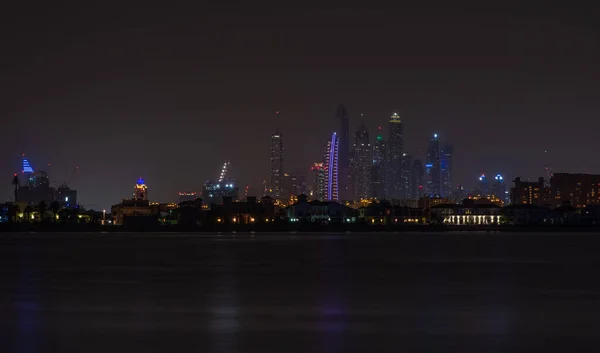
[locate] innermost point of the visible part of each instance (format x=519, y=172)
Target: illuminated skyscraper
x=407, y=164
x=446, y=168
x=433, y=169
x=484, y=186
x=378, y=167
x=417, y=175
x=362, y=160
x=140, y=190
x=395, y=145
x=319, y=181
x=344, y=150
x=277, y=174
x=499, y=189
x=331, y=162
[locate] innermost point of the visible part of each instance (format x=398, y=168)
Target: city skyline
x=135, y=98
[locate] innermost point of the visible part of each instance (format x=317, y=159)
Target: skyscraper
x=344, y=150
x=433, y=167
x=499, y=189
x=277, y=175
x=446, y=168
x=332, y=169
x=378, y=167
x=362, y=160
x=407, y=165
x=319, y=181
x=484, y=186
x=417, y=174
x=394, y=147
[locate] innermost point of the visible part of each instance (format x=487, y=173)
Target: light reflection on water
x=223, y=302
x=315, y=295
x=26, y=306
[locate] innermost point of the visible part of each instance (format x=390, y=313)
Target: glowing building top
x=26, y=166
x=395, y=118
x=140, y=190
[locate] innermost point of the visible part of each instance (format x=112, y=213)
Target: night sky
x=170, y=93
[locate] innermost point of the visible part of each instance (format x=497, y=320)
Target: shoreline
x=342, y=229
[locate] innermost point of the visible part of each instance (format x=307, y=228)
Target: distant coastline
x=285, y=228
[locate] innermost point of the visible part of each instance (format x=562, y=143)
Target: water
x=288, y=293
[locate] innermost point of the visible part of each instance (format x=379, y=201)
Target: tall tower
x=394, y=147
x=433, y=167
x=332, y=168
x=417, y=175
x=362, y=159
x=446, y=166
x=499, y=189
x=484, y=186
x=378, y=167
x=319, y=181
x=407, y=164
x=344, y=150
x=277, y=165
x=140, y=190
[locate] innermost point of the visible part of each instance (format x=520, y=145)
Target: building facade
x=378, y=167
x=319, y=181
x=140, y=190
x=483, y=186
x=499, y=189
x=528, y=192
x=446, y=154
x=277, y=174
x=332, y=168
x=580, y=190
x=361, y=163
x=406, y=176
x=395, y=146
x=417, y=176
x=433, y=169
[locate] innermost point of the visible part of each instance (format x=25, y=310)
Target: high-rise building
x=499, y=189
x=580, y=190
x=319, y=181
x=343, y=141
x=331, y=161
x=378, y=167
x=483, y=186
x=446, y=168
x=406, y=175
x=277, y=175
x=433, y=168
x=395, y=145
x=460, y=193
x=417, y=176
x=527, y=192
x=362, y=160
x=140, y=190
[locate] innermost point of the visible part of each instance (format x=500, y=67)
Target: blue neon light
x=331, y=159
x=140, y=181
x=27, y=167
x=428, y=165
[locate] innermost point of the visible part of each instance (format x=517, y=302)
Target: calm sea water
x=461, y=292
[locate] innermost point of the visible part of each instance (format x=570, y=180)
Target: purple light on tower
x=331, y=161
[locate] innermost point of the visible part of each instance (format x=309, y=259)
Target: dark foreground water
x=299, y=293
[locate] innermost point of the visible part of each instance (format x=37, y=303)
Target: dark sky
x=170, y=93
